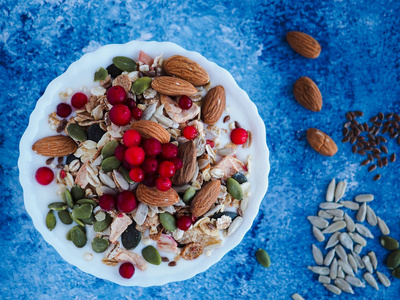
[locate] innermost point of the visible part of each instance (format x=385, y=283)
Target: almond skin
x=172, y=86
x=187, y=69
x=308, y=94
x=205, y=198
x=150, y=129
x=55, y=146
x=321, y=142
x=303, y=44
x=213, y=105
x=152, y=196
x=187, y=152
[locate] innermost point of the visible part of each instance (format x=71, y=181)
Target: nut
x=205, y=198
x=186, y=69
x=150, y=129
x=172, y=86
x=303, y=44
x=55, y=146
x=307, y=94
x=213, y=105
x=187, y=152
x=321, y=142
x=152, y=196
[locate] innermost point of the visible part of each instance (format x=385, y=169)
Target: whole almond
x=307, y=94
x=303, y=44
x=205, y=198
x=321, y=142
x=187, y=69
x=213, y=105
x=187, y=152
x=55, y=146
x=152, y=196
x=150, y=129
x=173, y=86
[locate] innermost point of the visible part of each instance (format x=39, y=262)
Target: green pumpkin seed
x=87, y=201
x=231, y=214
x=82, y=211
x=102, y=225
x=77, y=221
x=234, y=189
x=77, y=193
x=110, y=163
x=100, y=216
x=77, y=132
x=57, y=206
x=125, y=172
x=101, y=74
x=168, y=221
x=141, y=84
x=68, y=236
x=68, y=198
x=393, y=261
x=131, y=237
x=89, y=221
x=396, y=273
x=65, y=217
x=151, y=255
x=124, y=63
x=239, y=177
x=51, y=220
x=78, y=237
x=99, y=244
x=389, y=243
x=189, y=195
x=263, y=258
x=109, y=149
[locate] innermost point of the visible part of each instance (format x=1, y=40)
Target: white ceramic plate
x=79, y=75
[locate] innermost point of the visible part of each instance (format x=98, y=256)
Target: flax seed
x=384, y=149
x=237, y=125
x=387, y=123
x=361, y=152
x=371, y=168
x=376, y=150
x=348, y=116
x=373, y=119
x=378, y=124
x=396, y=117
x=393, y=157
x=365, y=162
x=172, y=264
x=370, y=157
x=384, y=130
x=49, y=160
x=165, y=259
x=227, y=118
x=345, y=131
x=360, y=145
x=347, y=124
x=366, y=127
x=346, y=139
x=377, y=156
x=352, y=114
x=379, y=163
x=377, y=177
x=395, y=124
x=383, y=139
x=353, y=139
x=376, y=131
x=389, y=116
x=358, y=113
x=354, y=149
x=380, y=116
x=385, y=161
x=368, y=148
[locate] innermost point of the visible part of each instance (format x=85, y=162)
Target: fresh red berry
x=136, y=174
x=150, y=180
x=169, y=151
x=239, y=136
x=131, y=138
x=150, y=165
x=131, y=103
x=120, y=115
x=177, y=162
x=134, y=156
x=211, y=143
x=152, y=146
x=126, y=202
x=44, y=175
x=116, y=95
x=185, y=102
x=184, y=223
x=166, y=169
x=127, y=165
x=126, y=270
x=63, y=110
x=189, y=132
x=119, y=152
x=107, y=202
x=137, y=113
x=79, y=100
x=163, y=184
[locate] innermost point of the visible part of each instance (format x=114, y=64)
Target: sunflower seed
x=332, y=288
x=354, y=281
x=367, y=262
x=371, y=216
x=359, y=261
x=337, y=219
x=333, y=240
x=330, y=193
x=341, y=252
x=317, y=254
x=318, y=222
x=365, y=198
x=350, y=226
x=371, y=280
x=364, y=231
x=330, y=205
x=383, y=279
x=297, y=297
x=319, y=270
x=234, y=225
x=329, y=257
x=318, y=234
x=358, y=248
x=340, y=273
x=362, y=212
x=346, y=240
x=324, y=214
x=340, y=189
x=333, y=269
x=372, y=257
x=324, y=279
x=352, y=262
x=350, y=205
x=343, y=285
x=336, y=226
x=345, y=266
x=335, y=212
x=383, y=227
x=358, y=238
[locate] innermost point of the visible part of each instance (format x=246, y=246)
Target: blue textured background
x=358, y=70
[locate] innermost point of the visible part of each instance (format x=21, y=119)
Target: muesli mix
x=133, y=163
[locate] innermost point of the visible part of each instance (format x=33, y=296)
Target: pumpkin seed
x=239, y=177
x=82, y=211
x=65, y=217
x=234, y=189
x=51, y=220
x=89, y=221
x=99, y=244
x=110, y=163
x=393, y=261
x=189, y=195
x=263, y=258
x=102, y=225
x=69, y=197
x=77, y=192
x=109, y=149
x=87, y=201
x=100, y=74
x=151, y=255
x=231, y=214
x=124, y=63
x=396, y=273
x=57, y=206
x=131, y=237
x=68, y=236
x=140, y=85
x=78, y=237
x=125, y=172
x=77, y=221
x=168, y=221
x=389, y=243
x=77, y=132
x=100, y=216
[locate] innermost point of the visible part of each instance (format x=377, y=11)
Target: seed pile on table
x=368, y=140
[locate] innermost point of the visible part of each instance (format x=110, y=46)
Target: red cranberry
x=150, y=180
x=150, y=165
x=131, y=103
x=189, y=132
x=116, y=95
x=177, y=162
x=126, y=270
x=120, y=115
x=136, y=174
x=107, y=202
x=152, y=146
x=127, y=165
x=239, y=136
x=44, y=175
x=185, y=102
x=211, y=143
x=63, y=110
x=163, y=184
x=79, y=100
x=132, y=138
x=184, y=223
x=126, y=202
x=120, y=152
x=137, y=113
x=169, y=151
x=166, y=169
x=134, y=156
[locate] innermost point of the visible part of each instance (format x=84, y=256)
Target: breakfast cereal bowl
x=236, y=186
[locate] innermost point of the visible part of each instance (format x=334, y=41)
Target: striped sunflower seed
x=318, y=234
x=324, y=214
x=324, y=279
x=354, y=281
x=345, y=266
x=362, y=212
x=297, y=297
x=319, y=270
x=365, y=198
x=333, y=269
x=371, y=280
x=350, y=205
x=335, y=212
x=329, y=257
x=330, y=205
x=332, y=288
x=367, y=262
x=317, y=254
x=383, y=279
x=340, y=190
x=336, y=226
x=350, y=226
x=371, y=216
x=333, y=240
x=340, y=273
x=358, y=238
x=359, y=261
x=358, y=248
x=383, y=227
x=346, y=240
x=374, y=260
x=340, y=252
x=343, y=285
x=318, y=222
x=364, y=231
x=330, y=193
x=352, y=262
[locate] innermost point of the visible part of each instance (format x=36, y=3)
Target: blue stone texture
x=358, y=69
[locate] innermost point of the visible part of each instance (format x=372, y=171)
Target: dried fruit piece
x=307, y=94
x=186, y=69
x=263, y=258
x=151, y=255
x=192, y=251
x=55, y=146
x=321, y=142
x=303, y=44
x=213, y=105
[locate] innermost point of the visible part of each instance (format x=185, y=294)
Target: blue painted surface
x=358, y=70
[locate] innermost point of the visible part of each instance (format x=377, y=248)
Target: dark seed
x=384, y=149
x=352, y=114
x=376, y=150
x=384, y=130
x=378, y=124
x=226, y=119
x=395, y=135
x=60, y=160
x=389, y=116
x=237, y=124
x=358, y=113
x=380, y=116
x=370, y=136
x=347, y=124
x=365, y=162
x=351, y=134
x=395, y=124
x=354, y=149
x=373, y=119
x=348, y=116
x=371, y=129
x=353, y=139
x=360, y=145
x=345, y=131
x=376, y=131
x=95, y=133
x=393, y=157
x=391, y=130
x=396, y=117
x=383, y=139
x=366, y=127
x=379, y=163
x=131, y=237
x=377, y=142
x=373, y=144
x=62, y=125
x=385, y=161
x=370, y=157
x=361, y=138
x=377, y=177
x=165, y=259
x=353, y=126
x=366, y=143
x=371, y=168
x=368, y=148
x=172, y=264
x=387, y=123
x=346, y=139
x=70, y=158
x=357, y=132
x=361, y=152
x=49, y=160
x=398, y=140
x=376, y=155
x=114, y=71
x=354, y=122
x=361, y=127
